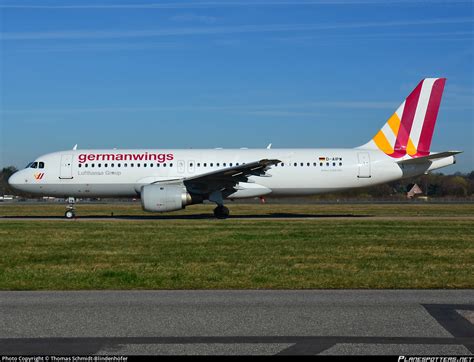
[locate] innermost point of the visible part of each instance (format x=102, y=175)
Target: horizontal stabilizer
x=433, y=156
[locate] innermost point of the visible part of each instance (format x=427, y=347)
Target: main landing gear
x=70, y=208
x=221, y=212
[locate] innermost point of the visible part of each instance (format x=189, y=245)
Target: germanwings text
x=159, y=157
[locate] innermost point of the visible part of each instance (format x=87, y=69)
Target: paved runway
x=238, y=322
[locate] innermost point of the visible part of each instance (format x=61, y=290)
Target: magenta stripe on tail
x=406, y=124
x=424, y=143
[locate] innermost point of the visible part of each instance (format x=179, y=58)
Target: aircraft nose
x=14, y=180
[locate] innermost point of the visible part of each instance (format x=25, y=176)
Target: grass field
x=372, y=246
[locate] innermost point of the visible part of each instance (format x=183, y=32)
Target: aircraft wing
x=226, y=179
x=433, y=156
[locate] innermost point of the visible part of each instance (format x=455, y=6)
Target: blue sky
x=194, y=74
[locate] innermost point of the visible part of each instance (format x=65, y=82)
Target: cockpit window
x=35, y=165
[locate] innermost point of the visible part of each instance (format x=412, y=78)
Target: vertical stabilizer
x=410, y=129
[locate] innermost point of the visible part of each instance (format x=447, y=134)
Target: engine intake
x=162, y=198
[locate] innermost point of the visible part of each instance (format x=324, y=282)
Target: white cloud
x=193, y=18
x=222, y=3
x=108, y=34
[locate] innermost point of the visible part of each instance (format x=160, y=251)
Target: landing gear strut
x=70, y=208
x=221, y=212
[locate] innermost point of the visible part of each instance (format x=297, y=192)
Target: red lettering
x=160, y=157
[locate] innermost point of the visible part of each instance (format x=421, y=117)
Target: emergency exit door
x=181, y=166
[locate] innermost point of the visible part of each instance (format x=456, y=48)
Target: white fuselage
x=122, y=173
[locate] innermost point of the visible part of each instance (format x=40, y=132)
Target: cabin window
x=205, y=165
x=320, y=164
x=151, y=165
x=211, y=165
x=92, y=164
x=314, y=164
x=144, y=165
x=295, y=164
x=164, y=165
x=230, y=164
x=340, y=163
x=118, y=164
x=80, y=165
x=191, y=164
x=157, y=165
x=124, y=165
x=217, y=164
x=138, y=165
x=112, y=165
x=334, y=163
x=99, y=165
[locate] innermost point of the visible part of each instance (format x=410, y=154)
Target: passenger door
x=66, y=167
x=364, y=165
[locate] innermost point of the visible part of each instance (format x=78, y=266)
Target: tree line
x=437, y=185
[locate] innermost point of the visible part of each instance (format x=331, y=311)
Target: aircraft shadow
x=206, y=216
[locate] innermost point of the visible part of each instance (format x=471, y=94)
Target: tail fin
x=410, y=129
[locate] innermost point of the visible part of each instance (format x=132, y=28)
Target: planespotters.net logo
x=435, y=359
x=145, y=156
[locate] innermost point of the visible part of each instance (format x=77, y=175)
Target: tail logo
x=410, y=129
x=39, y=176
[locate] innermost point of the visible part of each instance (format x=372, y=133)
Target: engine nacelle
x=162, y=198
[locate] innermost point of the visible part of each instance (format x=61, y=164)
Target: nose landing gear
x=70, y=208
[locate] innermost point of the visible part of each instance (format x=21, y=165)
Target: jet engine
x=162, y=198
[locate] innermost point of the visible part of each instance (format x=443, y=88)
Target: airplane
x=171, y=179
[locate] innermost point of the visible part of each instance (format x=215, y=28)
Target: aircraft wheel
x=221, y=212
x=69, y=214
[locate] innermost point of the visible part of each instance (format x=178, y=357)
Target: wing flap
x=226, y=179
